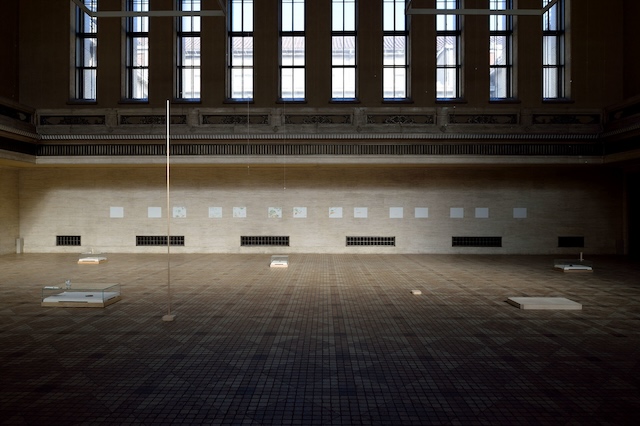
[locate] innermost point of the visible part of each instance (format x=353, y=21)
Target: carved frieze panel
x=15, y=114
x=627, y=111
x=70, y=120
x=152, y=119
x=400, y=119
x=317, y=119
x=566, y=119
x=235, y=119
x=483, y=118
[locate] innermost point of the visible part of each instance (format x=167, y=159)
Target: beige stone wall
x=9, y=206
x=558, y=202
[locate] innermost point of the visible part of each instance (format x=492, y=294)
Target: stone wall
x=9, y=210
x=421, y=207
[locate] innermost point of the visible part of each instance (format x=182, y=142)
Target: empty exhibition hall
x=320, y=212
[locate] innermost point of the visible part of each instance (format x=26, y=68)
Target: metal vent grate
x=101, y=149
x=371, y=241
x=159, y=240
x=68, y=240
x=570, y=241
x=264, y=240
x=476, y=241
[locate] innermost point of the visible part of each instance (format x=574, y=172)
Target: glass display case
x=81, y=295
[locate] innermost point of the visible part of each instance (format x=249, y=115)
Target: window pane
x=549, y=50
x=498, y=50
x=89, y=84
x=343, y=50
x=89, y=52
x=337, y=15
x=242, y=83
x=447, y=51
x=498, y=83
x=550, y=85
x=140, y=83
x=446, y=22
x=190, y=51
x=343, y=83
x=394, y=50
x=242, y=51
x=446, y=83
x=292, y=15
x=292, y=83
x=394, y=83
x=190, y=83
x=140, y=53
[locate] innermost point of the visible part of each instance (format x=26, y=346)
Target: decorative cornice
x=333, y=136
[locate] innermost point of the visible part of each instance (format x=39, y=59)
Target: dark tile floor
x=331, y=340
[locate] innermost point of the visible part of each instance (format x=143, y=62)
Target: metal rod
x=168, y=220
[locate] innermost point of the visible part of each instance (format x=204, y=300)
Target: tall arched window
x=553, y=51
x=240, y=49
x=86, y=52
x=395, y=61
x=292, y=50
x=500, y=51
x=344, y=39
x=188, y=60
x=137, y=51
x=448, y=62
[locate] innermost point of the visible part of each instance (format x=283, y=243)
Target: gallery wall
x=9, y=210
x=317, y=208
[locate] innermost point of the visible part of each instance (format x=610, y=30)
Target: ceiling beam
x=152, y=13
x=519, y=12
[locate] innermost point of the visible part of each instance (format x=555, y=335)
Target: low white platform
x=544, y=303
x=80, y=295
x=279, y=261
x=92, y=260
x=573, y=265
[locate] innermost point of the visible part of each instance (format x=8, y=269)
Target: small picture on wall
x=116, y=212
x=335, y=212
x=179, y=212
x=274, y=213
x=154, y=212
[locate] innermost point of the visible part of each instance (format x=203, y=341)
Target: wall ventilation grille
x=476, y=241
x=159, y=240
x=371, y=241
x=321, y=149
x=265, y=240
x=68, y=240
x=570, y=241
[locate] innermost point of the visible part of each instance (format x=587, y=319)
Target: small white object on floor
x=168, y=317
x=416, y=292
x=544, y=303
x=279, y=261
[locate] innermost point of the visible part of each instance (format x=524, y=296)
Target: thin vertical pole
x=169, y=316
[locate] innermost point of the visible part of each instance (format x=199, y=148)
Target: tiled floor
x=331, y=340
